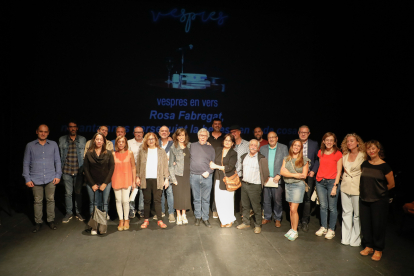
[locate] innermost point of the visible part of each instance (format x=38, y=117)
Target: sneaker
x=163, y=214
x=141, y=213
x=288, y=233
x=184, y=218
x=293, y=235
x=155, y=217
x=131, y=214
x=67, y=218
x=94, y=232
x=79, y=217
x=179, y=221
x=321, y=231
x=107, y=216
x=171, y=218
x=330, y=234
x=215, y=215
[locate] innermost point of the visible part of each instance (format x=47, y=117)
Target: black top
x=216, y=143
x=373, y=184
x=98, y=169
x=229, y=162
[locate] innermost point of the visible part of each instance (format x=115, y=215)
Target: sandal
x=161, y=224
x=145, y=224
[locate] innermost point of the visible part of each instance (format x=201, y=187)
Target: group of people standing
x=154, y=168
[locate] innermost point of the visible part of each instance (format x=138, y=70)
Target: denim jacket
x=176, y=162
x=64, y=147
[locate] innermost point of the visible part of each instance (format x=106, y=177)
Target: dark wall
x=338, y=68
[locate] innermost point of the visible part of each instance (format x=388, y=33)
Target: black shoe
x=207, y=223
x=79, y=217
x=52, y=225
x=67, y=218
x=197, y=222
x=305, y=227
x=37, y=228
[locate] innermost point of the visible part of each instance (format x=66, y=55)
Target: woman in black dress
x=179, y=167
x=377, y=179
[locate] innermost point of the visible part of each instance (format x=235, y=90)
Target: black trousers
x=150, y=191
x=307, y=199
x=251, y=194
x=373, y=216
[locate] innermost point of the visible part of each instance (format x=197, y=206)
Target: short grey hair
x=203, y=130
x=304, y=126
x=254, y=140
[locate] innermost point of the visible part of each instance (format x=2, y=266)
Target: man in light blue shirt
x=42, y=170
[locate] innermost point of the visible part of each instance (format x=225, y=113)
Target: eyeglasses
x=138, y=132
x=202, y=135
x=151, y=139
x=272, y=137
x=304, y=132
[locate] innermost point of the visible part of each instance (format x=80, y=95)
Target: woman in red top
x=327, y=183
x=123, y=179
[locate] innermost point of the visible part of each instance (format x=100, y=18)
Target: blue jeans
x=323, y=189
x=273, y=194
x=140, y=202
x=201, y=188
x=98, y=198
x=69, y=181
x=170, y=199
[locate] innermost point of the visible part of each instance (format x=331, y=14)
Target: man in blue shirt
x=42, y=171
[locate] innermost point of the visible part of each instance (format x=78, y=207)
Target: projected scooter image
x=188, y=80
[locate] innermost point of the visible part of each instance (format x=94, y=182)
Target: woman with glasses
x=224, y=165
x=353, y=150
x=327, y=183
x=152, y=176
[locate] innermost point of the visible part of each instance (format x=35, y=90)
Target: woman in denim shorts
x=294, y=170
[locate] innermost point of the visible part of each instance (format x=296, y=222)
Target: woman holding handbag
x=179, y=168
x=294, y=170
x=225, y=166
x=99, y=167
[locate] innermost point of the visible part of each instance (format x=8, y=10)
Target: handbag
x=232, y=182
x=306, y=184
x=98, y=219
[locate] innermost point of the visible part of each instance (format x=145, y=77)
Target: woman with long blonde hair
x=353, y=150
x=294, y=170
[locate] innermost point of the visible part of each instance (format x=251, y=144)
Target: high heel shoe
x=126, y=227
x=121, y=225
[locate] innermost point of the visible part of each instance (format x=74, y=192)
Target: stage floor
x=189, y=250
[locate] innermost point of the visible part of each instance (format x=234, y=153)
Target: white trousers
x=224, y=204
x=122, y=202
x=351, y=227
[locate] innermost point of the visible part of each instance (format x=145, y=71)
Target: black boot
x=52, y=225
x=37, y=228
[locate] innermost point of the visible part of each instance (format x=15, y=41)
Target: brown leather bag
x=232, y=182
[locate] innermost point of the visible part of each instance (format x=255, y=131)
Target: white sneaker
x=330, y=234
x=163, y=214
x=94, y=232
x=321, y=231
x=288, y=233
x=155, y=217
x=107, y=217
x=185, y=220
x=293, y=235
x=179, y=221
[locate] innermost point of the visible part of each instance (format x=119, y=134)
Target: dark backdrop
x=341, y=68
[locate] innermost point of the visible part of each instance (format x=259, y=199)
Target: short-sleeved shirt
x=291, y=169
x=373, y=184
x=328, y=165
x=264, y=143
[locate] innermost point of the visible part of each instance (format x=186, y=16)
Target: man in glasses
x=310, y=150
x=134, y=145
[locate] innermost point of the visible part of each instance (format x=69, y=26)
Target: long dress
x=182, y=191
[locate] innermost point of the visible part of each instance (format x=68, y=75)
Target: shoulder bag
x=232, y=182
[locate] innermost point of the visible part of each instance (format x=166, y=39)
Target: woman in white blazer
x=353, y=150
